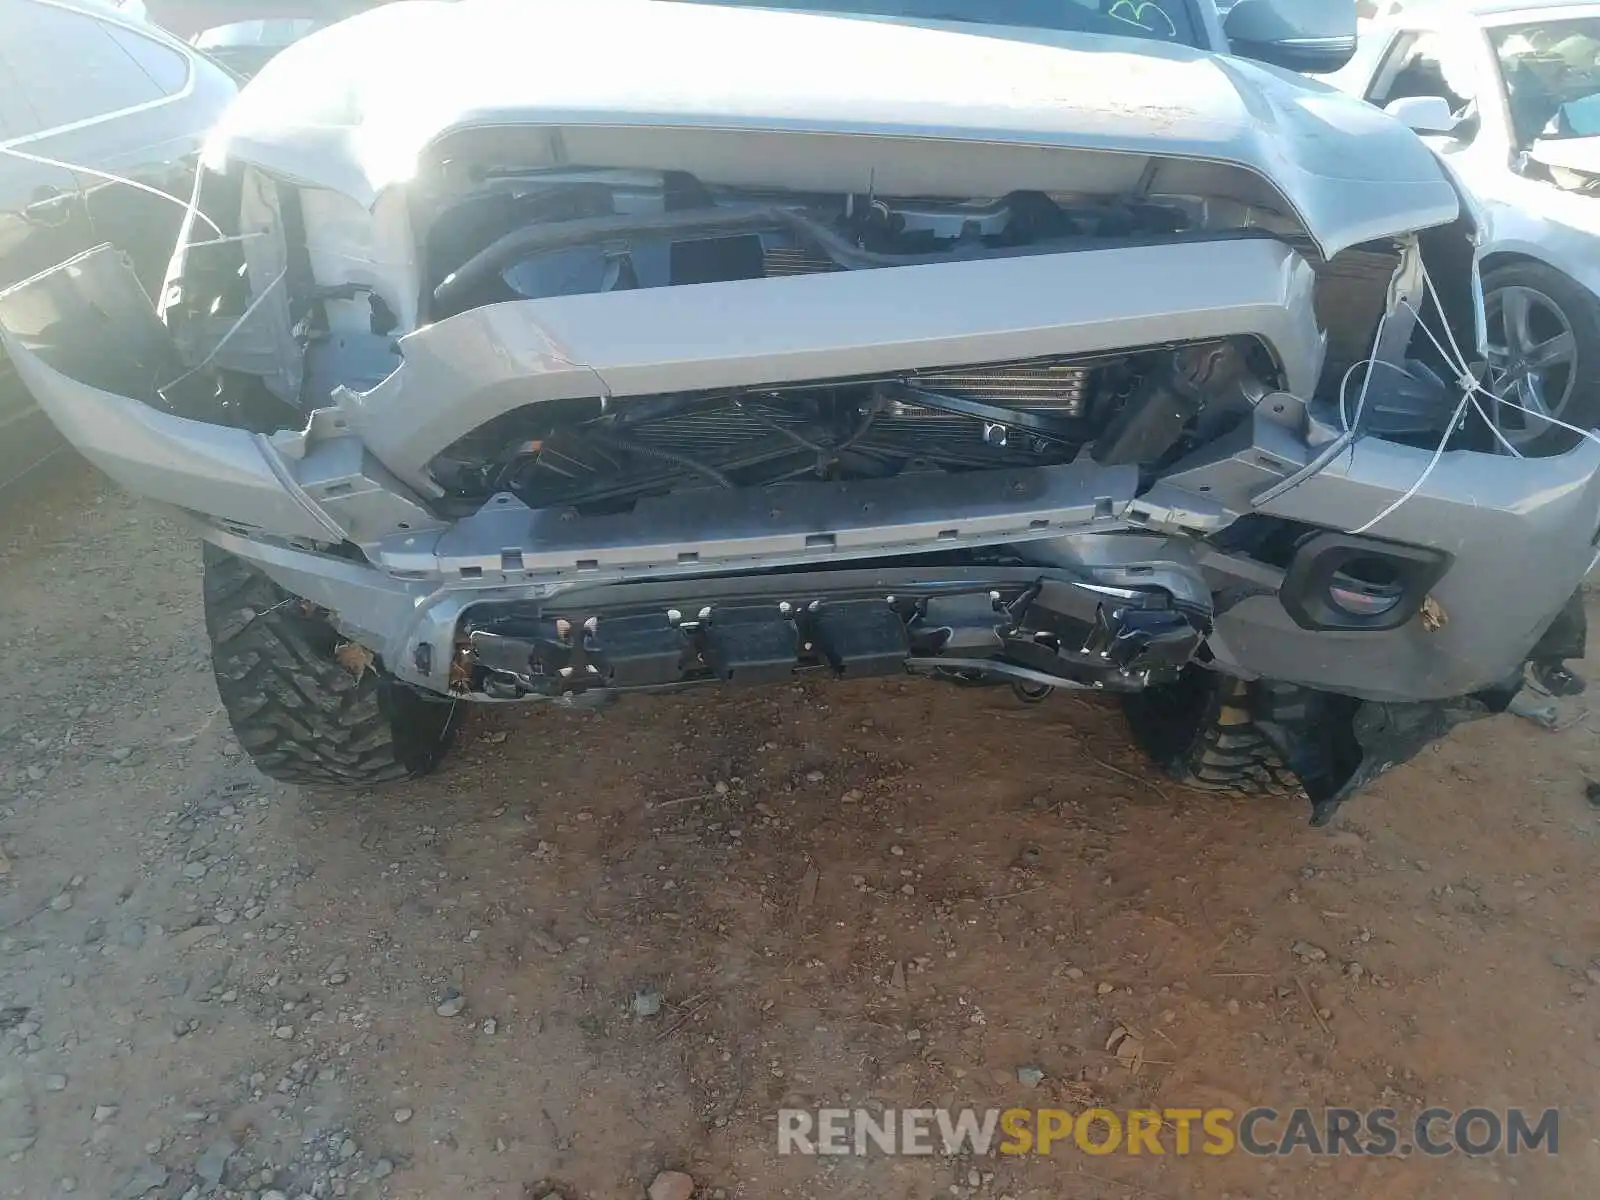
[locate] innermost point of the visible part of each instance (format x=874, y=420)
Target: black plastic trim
x=1305, y=591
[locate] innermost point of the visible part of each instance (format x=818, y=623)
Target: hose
x=534, y=239
x=622, y=442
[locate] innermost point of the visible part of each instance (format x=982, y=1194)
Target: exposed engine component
x=594, y=456
x=565, y=233
x=560, y=233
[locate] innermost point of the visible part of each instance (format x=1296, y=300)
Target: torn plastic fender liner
x=86, y=341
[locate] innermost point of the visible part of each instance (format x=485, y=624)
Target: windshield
x=1552, y=77
x=1157, y=20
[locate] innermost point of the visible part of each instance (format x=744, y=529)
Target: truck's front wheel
x=306, y=705
x=1202, y=732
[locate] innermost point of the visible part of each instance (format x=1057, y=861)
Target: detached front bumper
x=339, y=512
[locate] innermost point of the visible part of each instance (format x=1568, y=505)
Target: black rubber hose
x=622, y=442
x=533, y=239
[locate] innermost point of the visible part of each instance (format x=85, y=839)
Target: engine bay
x=574, y=233
x=562, y=233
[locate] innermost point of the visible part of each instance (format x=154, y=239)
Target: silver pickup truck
x=551, y=352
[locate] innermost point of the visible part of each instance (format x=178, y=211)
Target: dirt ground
x=890, y=894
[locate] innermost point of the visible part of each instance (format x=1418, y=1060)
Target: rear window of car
x=164, y=65
x=72, y=67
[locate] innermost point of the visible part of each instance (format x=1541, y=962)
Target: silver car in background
x=1507, y=93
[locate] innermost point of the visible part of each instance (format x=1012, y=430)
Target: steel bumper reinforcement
x=1048, y=628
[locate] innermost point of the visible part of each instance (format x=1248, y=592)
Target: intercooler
x=1054, y=389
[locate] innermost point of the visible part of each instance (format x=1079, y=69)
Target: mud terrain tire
x=303, y=716
x=1201, y=731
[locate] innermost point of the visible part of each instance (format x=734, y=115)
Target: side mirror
x=1423, y=114
x=1314, y=36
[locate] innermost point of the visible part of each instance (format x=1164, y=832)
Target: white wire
x=1438, y=453
x=191, y=206
x=1366, y=380
x=191, y=211
x=226, y=241
x=1344, y=383
x=1470, y=388
x=1473, y=390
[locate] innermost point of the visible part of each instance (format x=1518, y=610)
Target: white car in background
x=1508, y=94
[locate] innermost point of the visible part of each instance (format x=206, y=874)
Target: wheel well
x=1507, y=258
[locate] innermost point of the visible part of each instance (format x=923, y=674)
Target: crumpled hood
x=354, y=107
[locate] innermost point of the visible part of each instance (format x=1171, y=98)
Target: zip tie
x=226, y=241
x=191, y=207
x=1473, y=388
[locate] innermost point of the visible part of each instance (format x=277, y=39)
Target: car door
x=1457, y=65
x=136, y=104
x=118, y=101
x=43, y=220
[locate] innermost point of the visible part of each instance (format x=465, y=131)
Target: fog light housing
x=1337, y=581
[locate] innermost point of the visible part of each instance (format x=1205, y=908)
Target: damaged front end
x=537, y=433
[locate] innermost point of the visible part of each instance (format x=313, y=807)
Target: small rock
x=348, y=1149
x=1592, y=974
x=1104, y=989
x=1073, y=973
x=194, y=870
x=491, y=1026
x=61, y=903
x=811, y=777
x=55, y=1083
x=452, y=1005
x=224, y=916
x=67, y=1184
x=335, y=978
x=402, y=1115
x=283, y=1032
x=104, y=1113
x=1233, y=1008
x=672, y=1185
x=646, y=1002
x=1355, y=970
x=1309, y=952
x=214, y=1161
x=382, y=1169
x=1030, y=1077
x=545, y=942
x=122, y=753
x=19, y=1126
x=146, y=1179
x=273, y=1194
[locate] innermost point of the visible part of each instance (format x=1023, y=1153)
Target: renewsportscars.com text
x=1260, y=1132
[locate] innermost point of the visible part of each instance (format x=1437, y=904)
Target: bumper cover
x=1520, y=533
